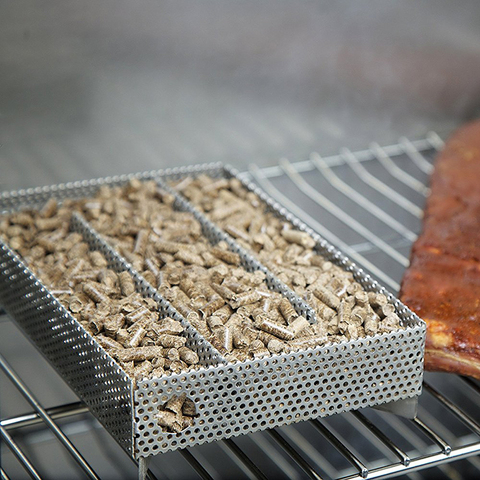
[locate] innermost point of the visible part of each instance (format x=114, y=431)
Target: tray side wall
x=82, y=363
x=245, y=397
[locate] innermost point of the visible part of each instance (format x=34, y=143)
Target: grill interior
x=369, y=204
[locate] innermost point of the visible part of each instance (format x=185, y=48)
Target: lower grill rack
x=360, y=444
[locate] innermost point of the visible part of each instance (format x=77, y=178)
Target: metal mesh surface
x=259, y=394
x=84, y=365
x=33, y=197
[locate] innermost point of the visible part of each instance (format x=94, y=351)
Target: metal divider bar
x=414, y=154
x=16, y=450
x=213, y=233
x=15, y=379
x=309, y=470
x=397, y=172
x=93, y=238
x=348, y=220
x=380, y=186
x=405, y=459
x=319, y=228
x=360, y=199
x=350, y=456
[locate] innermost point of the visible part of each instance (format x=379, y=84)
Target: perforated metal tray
x=231, y=399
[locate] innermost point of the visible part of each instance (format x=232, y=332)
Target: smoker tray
x=235, y=398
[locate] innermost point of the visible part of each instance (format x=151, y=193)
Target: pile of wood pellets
x=177, y=414
x=344, y=310
x=105, y=303
x=232, y=308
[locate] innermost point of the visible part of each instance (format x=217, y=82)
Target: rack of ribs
x=442, y=284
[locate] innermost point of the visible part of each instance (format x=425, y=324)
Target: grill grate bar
x=446, y=448
x=195, y=464
x=415, y=440
x=343, y=449
x=422, y=462
x=61, y=411
x=415, y=156
x=438, y=427
x=435, y=140
x=405, y=459
x=24, y=390
x=323, y=167
x=294, y=454
x=240, y=454
x=339, y=159
x=348, y=220
x=310, y=451
x=261, y=441
x=16, y=450
x=324, y=232
x=3, y=474
x=473, y=385
x=465, y=418
x=380, y=186
x=397, y=172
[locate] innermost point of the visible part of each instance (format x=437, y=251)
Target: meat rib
x=442, y=284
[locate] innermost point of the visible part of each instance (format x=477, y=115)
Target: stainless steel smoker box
x=231, y=399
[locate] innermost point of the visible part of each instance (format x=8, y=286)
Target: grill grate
x=370, y=204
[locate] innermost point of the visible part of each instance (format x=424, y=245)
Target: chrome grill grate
x=370, y=205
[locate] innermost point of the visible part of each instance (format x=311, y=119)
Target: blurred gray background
x=96, y=88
